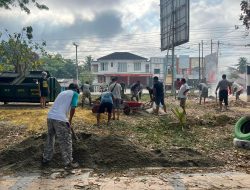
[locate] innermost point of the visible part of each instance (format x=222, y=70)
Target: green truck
x=17, y=88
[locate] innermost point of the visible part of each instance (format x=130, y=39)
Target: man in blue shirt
x=158, y=91
x=106, y=104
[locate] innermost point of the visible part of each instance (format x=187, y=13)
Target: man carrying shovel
x=223, y=86
x=59, y=125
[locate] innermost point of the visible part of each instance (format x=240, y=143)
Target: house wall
x=157, y=63
x=112, y=66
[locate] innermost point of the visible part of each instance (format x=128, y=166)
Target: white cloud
x=104, y=26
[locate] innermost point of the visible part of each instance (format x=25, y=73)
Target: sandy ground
x=88, y=180
x=105, y=148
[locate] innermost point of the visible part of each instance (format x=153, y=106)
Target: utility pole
x=211, y=46
x=199, y=62
x=76, y=63
x=202, y=64
x=217, y=64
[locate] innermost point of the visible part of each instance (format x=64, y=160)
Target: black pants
x=223, y=95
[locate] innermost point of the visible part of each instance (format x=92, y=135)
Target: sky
x=101, y=27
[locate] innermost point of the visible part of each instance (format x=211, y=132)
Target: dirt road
x=87, y=180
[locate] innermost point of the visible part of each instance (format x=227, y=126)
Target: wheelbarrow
x=132, y=106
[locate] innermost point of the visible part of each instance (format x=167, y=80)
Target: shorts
x=159, y=100
x=44, y=93
x=223, y=96
x=116, y=103
x=86, y=94
x=106, y=106
x=204, y=94
x=183, y=102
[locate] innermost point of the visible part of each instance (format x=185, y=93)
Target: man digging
x=158, y=91
x=105, y=104
x=223, y=86
x=59, y=125
x=203, y=88
x=182, y=95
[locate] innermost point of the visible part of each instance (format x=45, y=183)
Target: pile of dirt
x=238, y=103
x=109, y=152
x=211, y=120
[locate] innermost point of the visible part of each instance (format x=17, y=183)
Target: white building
x=128, y=67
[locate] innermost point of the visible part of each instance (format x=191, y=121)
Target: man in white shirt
x=182, y=95
x=86, y=92
x=115, y=88
x=237, y=89
x=59, y=125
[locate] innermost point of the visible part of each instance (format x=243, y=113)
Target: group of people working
x=59, y=124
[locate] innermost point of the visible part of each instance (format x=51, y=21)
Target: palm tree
x=241, y=66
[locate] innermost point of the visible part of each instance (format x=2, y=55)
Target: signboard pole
x=199, y=62
x=165, y=71
x=173, y=31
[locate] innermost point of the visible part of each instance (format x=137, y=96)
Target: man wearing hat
x=59, y=125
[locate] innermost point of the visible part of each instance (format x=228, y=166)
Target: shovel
x=74, y=135
x=73, y=132
x=216, y=97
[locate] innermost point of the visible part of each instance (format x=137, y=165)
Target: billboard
x=174, y=17
x=211, y=62
x=183, y=61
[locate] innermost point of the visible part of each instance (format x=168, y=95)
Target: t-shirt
x=136, y=88
x=203, y=87
x=85, y=88
x=223, y=84
x=64, y=102
x=158, y=89
x=236, y=87
x=116, y=90
x=106, y=97
x=44, y=84
x=183, y=88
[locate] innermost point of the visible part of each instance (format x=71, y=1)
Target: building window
x=122, y=67
x=157, y=71
x=111, y=64
x=95, y=68
x=137, y=66
x=147, y=68
x=104, y=66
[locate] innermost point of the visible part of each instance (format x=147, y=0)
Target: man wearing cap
x=59, y=125
x=43, y=89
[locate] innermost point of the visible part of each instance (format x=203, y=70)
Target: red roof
x=129, y=75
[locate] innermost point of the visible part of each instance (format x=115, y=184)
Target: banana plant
x=181, y=116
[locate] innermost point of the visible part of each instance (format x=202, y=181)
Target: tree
x=23, y=4
x=87, y=63
x=245, y=14
x=86, y=76
x=241, y=66
x=233, y=73
x=58, y=66
x=19, y=52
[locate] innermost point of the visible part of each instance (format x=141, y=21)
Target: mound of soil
x=110, y=152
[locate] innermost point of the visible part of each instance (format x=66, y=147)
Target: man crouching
x=105, y=104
